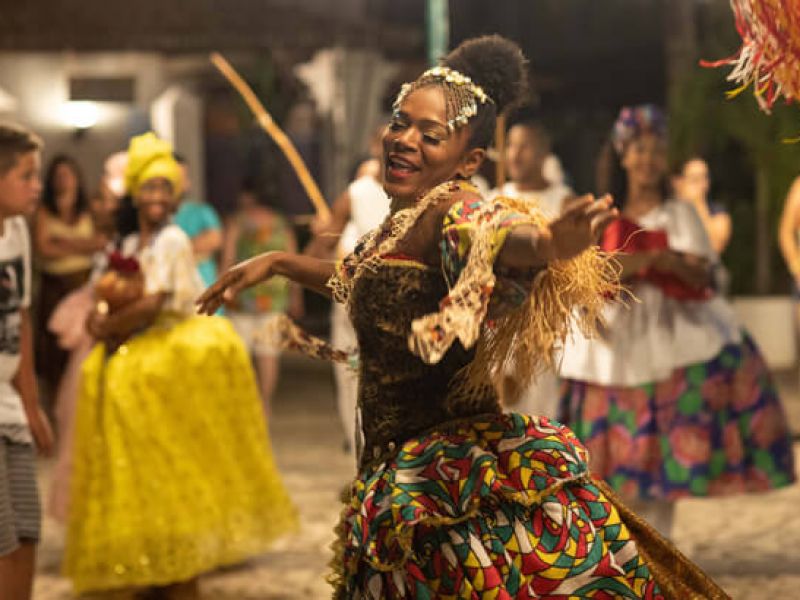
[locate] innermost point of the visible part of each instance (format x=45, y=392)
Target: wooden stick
x=500, y=147
x=276, y=133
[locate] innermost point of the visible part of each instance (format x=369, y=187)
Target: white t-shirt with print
x=15, y=294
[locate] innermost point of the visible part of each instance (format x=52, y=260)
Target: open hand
x=580, y=226
x=234, y=280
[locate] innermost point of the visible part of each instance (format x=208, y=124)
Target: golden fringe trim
x=520, y=343
x=337, y=577
x=383, y=240
x=677, y=576
x=462, y=312
x=283, y=332
x=404, y=533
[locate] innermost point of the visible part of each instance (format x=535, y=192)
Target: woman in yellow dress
x=174, y=474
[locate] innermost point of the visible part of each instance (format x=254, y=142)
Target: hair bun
x=496, y=64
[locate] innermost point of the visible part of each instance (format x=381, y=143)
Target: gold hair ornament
x=465, y=94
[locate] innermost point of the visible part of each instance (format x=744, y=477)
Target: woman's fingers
x=596, y=209
x=587, y=207
x=210, y=300
x=575, y=208
x=230, y=293
x=602, y=221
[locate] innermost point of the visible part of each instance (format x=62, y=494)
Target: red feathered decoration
x=769, y=58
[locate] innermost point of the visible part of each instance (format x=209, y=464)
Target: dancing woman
x=453, y=498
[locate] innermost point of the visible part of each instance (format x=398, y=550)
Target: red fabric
x=123, y=264
x=624, y=235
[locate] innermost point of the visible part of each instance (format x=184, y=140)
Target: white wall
x=177, y=116
x=771, y=320
x=39, y=83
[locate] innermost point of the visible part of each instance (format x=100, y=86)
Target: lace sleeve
x=460, y=226
x=473, y=233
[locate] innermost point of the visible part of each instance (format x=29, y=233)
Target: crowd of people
x=521, y=426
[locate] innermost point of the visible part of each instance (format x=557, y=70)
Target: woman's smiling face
x=155, y=201
x=645, y=160
x=420, y=151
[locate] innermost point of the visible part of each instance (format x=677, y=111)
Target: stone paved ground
x=307, y=439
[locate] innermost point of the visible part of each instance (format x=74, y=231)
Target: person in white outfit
x=527, y=154
x=360, y=209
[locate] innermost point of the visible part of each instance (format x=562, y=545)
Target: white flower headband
x=463, y=103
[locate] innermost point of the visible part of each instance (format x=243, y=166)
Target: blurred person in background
x=24, y=427
x=173, y=471
x=672, y=399
x=255, y=228
x=789, y=235
x=527, y=151
x=68, y=325
x=361, y=208
x=693, y=185
x=64, y=241
x=201, y=223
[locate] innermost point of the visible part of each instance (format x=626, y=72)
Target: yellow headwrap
x=148, y=158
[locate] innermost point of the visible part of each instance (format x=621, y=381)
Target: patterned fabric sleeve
x=461, y=225
x=473, y=234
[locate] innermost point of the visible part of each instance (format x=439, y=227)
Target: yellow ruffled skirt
x=174, y=473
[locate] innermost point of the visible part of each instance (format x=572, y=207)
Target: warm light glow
x=80, y=114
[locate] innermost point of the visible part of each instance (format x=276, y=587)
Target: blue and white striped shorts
x=20, y=511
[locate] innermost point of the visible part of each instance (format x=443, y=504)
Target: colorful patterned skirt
x=499, y=508
x=713, y=428
x=173, y=469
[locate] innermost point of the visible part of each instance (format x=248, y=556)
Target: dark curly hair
x=49, y=192
x=497, y=65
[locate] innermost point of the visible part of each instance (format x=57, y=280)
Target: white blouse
x=647, y=340
x=169, y=267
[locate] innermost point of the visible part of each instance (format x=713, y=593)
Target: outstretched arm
x=312, y=273
x=580, y=226
x=787, y=231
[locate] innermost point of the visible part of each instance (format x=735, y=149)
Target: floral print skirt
x=712, y=428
